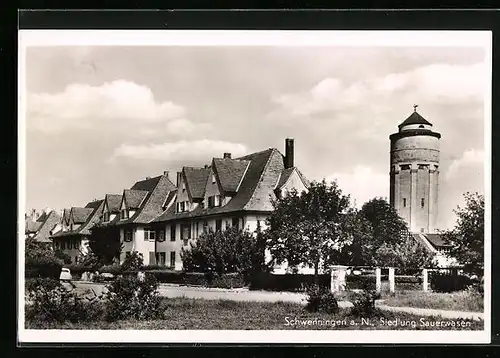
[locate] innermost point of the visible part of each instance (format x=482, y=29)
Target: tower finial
x=415, y=107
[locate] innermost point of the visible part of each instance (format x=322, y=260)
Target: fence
x=372, y=277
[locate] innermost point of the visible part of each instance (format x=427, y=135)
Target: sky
x=99, y=118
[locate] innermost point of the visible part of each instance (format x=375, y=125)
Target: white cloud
x=469, y=157
x=182, y=126
x=362, y=183
x=85, y=106
x=181, y=150
x=428, y=84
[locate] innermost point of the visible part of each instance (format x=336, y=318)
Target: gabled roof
x=147, y=184
x=65, y=218
x=92, y=214
x=134, y=198
x=436, y=240
x=254, y=192
x=151, y=205
x=229, y=172
x=415, y=118
x=80, y=215
x=44, y=227
x=196, y=181
x=32, y=226
x=113, y=202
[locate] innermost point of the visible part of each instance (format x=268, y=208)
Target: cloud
x=86, y=106
x=432, y=83
x=470, y=157
x=362, y=183
x=181, y=150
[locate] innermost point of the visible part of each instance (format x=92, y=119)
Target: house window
x=405, y=167
x=69, y=245
x=63, y=245
x=172, y=232
x=258, y=224
x=404, y=202
x=160, y=258
x=149, y=235
x=218, y=225
x=161, y=235
x=205, y=227
x=213, y=178
x=210, y=201
x=105, y=217
x=197, y=228
x=228, y=225
x=172, y=259
x=422, y=202
x=152, y=258
x=185, y=231
x=128, y=235
x=124, y=214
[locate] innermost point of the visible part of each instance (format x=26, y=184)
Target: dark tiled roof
x=196, y=180
x=113, y=201
x=147, y=184
x=230, y=172
x=93, y=218
x=171, y=195
x=65, y=217
x=94, y=204
x=51, y=219
x=254, y=192
x=134, y=198
x=32, y=226
x=285, y=175
x=436, y=240
x=42, y=217
x=421, y=241
x=415, y=118
x=80, y=215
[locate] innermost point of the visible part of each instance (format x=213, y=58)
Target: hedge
x=444, y=282
x=42, y=268
x=357, y=282
x=287, y=282
x=194, y=278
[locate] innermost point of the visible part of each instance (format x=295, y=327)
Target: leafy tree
x=309, y=227
x=63, y=256
x=105, y=244
x=40, y=260
x=89, y=260
x=221, y=252
x=467, y=237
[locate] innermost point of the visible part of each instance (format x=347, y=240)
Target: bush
x=320, y=299
x=49, y=302
x=43, y=266
x=364, y=304
x=227, y=281
x=443, y=282
x=32, y=284
x=133, y=261
x=129, y=297
x=287, y=282
x=367, y=282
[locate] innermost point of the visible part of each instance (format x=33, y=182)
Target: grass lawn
x=200, y=314
x=456, y=301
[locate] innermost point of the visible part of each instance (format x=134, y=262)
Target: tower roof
x=415, y=118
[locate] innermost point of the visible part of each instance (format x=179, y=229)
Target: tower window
x=404, y=202
x=422, y=202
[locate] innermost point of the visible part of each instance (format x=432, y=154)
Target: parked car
x=65, y=274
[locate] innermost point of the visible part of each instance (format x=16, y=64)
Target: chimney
x=147, y=178
x=289, y=153
x=178, y=179
x=165, y=173
x=227, y=155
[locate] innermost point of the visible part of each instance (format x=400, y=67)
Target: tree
x=221, y=252
x=309, y=227
x=133, y=261
x=467, y=237
x=105, y=244
x=40, y=260
x=407, y=255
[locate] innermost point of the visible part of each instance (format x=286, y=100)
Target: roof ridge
x=256, y=153
x=272, y=150
x=147, y=198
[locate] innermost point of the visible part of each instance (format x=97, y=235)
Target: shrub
x=133, y=261
x=112, y=269
x=360, y=282
x=227, y=281
x=287, y=282
x=49, y=302
x=364, y=304
x=443, y=282
x=43, y=266
x=129, y=297
x=320, y=299
x=32, y=284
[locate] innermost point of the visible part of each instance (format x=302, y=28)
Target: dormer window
x=213, y=179
x=183, y=187
x=124, y=214
x=105, y=217
x=214, y=201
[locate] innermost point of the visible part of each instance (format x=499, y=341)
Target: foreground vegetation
x=467, y=300
x=194, y=314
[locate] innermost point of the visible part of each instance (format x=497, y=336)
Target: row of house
x=160, y=215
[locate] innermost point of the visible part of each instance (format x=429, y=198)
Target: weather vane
x=415, y=107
